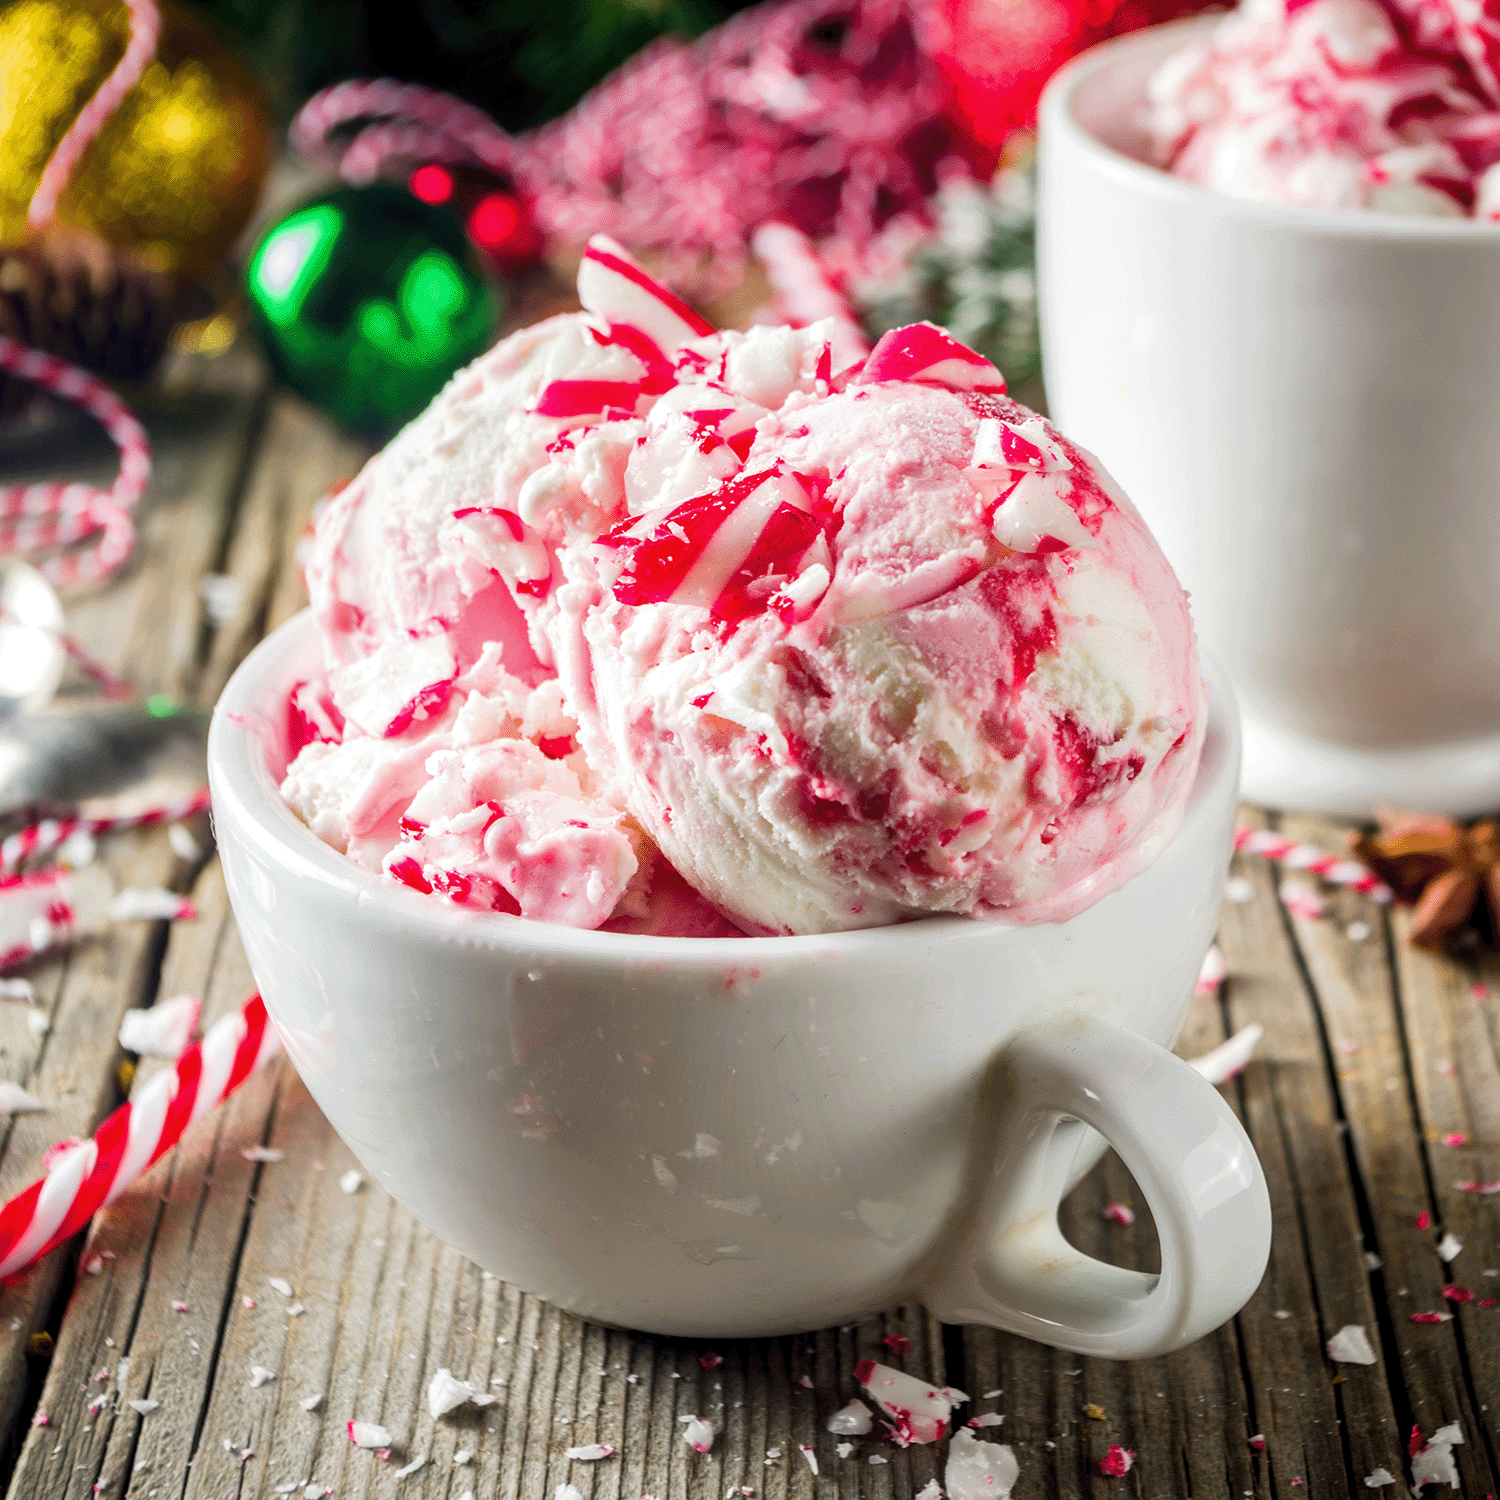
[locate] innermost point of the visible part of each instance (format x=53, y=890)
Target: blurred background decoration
x=135, y=138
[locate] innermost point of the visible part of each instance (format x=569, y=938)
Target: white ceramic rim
x=242, y=787
x=1056, y=115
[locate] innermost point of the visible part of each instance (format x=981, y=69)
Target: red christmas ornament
x=996, y=55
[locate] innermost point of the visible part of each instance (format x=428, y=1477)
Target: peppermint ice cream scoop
x=1391, y=105
x=648, y=626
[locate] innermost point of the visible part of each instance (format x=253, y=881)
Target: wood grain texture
x=1374, y=1055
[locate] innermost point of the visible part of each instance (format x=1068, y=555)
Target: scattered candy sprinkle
x=1117, y=1461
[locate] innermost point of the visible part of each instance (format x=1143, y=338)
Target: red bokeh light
x=432, y=183
x=494, y=221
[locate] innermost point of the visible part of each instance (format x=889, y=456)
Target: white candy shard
x=932, y=1490
x=151, y=905
x=853, y=1420
x=262, y=1153
x=420, y=1461
x=589, y=1453
x=445, y=1393
x=1351, y=1346
x=1377, y=1479
x=1229, y=1059
x=978, y=1470
x=1434, y=1464
x=697, y=1434
x=369, y=1435
x=918, y=1410
x=1449, y=1246
x=260, y=1376
x=14, y=1100
x=703, y=1147
x=143, y=1405
x=311, y=1403
x=351, y=1181
x=665, y=1176
x=280, y=1284
x=986, y=1419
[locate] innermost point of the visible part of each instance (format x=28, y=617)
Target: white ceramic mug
x=735, y=1138
x=1305, y=406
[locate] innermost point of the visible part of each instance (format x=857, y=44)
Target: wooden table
x=1372, y=1054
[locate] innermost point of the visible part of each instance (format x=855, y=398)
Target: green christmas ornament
x=367, y=300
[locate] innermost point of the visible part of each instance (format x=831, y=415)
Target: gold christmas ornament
x=173, y=175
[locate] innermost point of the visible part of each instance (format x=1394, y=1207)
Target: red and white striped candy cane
x=42, y=517
x=804, y=290
x=84, y=1176
x=145, y=30
x=42, y=838
x=1332, y=867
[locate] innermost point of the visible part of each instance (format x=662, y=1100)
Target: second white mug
x=1305, y=406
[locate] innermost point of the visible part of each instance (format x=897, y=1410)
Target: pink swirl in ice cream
x=1391, y=105
x=648, y=626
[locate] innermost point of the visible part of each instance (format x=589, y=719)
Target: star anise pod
x=1442, y=868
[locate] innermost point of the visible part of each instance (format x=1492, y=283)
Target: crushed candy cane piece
x=41, y=1417
x=1117, y=1461
x=1455, y=1138
x=14, y=1100
x=1449, y=1246
x=18, y=989
x=179, y=1306
x=1358, y=932
x=898, y=1344
x=446, y=1393
x=351, y=1181
x=1212, y=972
x=279, y=1284
x=1372, y=1261
x=1424, y=1220
x=311, y=1403
x=932, y=1490
x=265, y=1154
x=1239, y=889
x=184, y=845
x=162, y=1030
x=986, y=1419
x=703, y=1147
x=1301, y=900
x=1351, y=1346
x=1258, y=1442
x=697, y=1434
x=369, y=1435
x=419, y=1462
x=710, y=1361
x=810, y=1455
x=589, y=1453
x=248, y=1303
x=1378, y=1479
x=918, y=1410
x=1486, y=1188
x=462, y=1457
x=853, y=1420
x=1458, y=1294
x=1434, y=1464
x=568, y=1492
x=1229, y=1059
x=978, y=1470
x=144, y=1405
x=150, y=905
x=1120, y=1213
x=1431, y=1317
x=843, y=1449
x=260, y=1376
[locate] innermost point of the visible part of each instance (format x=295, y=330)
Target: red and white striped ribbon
x=145, y=31
x=83, y=1176
x=42, y=838
x=1332, y=867
x=44, y=517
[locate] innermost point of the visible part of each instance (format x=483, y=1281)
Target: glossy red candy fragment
x=925, y=353
x=587, y=398
x=427, y=703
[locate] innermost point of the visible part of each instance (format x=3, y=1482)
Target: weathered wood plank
x=1326, y=1426
x=1383, y=1065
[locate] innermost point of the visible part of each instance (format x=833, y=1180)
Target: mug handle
x=1188, y=1153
